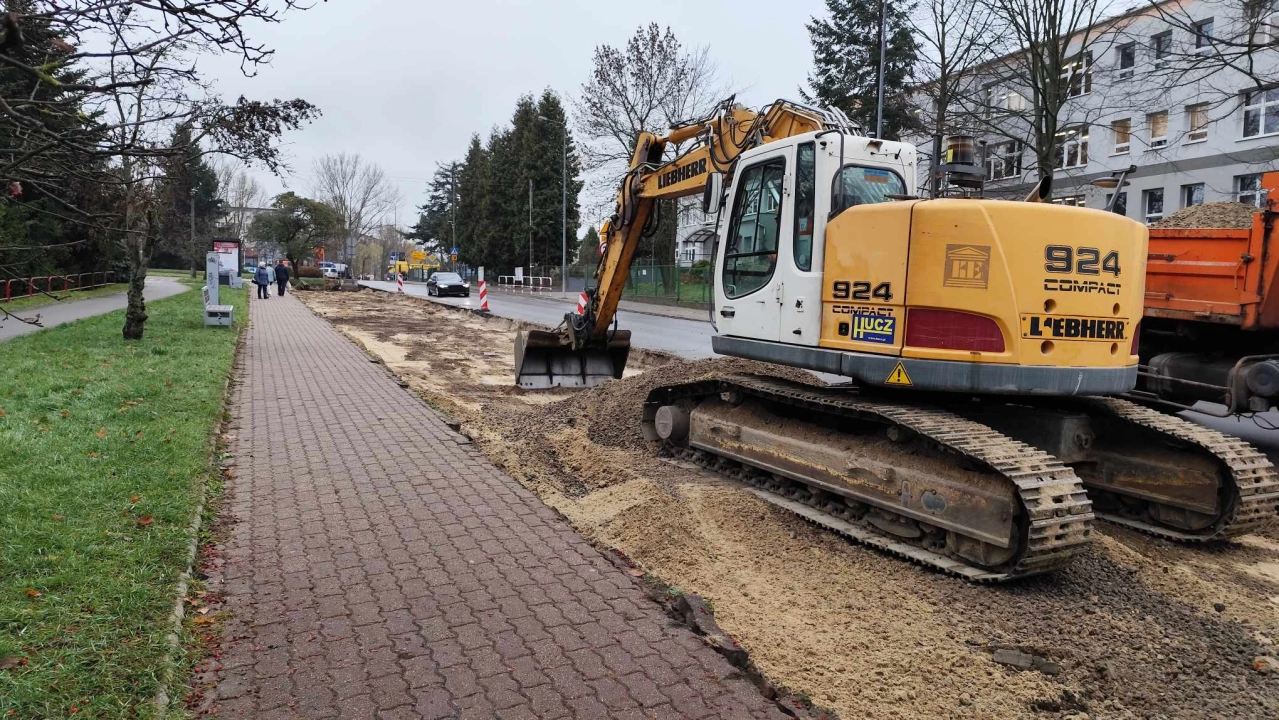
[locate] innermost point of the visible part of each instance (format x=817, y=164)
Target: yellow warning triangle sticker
x=898, y=376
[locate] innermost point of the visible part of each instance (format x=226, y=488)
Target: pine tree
x=588, y=249
x=434, y=228
x=472, y=176
x=846, y=62
x=189, y=185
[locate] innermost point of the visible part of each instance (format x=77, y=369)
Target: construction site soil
x=1218, y=215
x=1134, y=628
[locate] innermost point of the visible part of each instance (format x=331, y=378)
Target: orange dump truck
x=1211, y=325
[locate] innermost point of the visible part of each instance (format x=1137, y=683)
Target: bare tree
x=1049, y=48
x=358, y=191
x=109, y=125
x=241, y=195
x=955, y=39
x=649, y=85
x=1231, y=41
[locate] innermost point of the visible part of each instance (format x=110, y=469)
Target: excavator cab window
x=862, y=186
x=805, y=202
x=751, y=255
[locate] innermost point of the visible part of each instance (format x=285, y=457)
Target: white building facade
x=1151, y=89
x=694, y=232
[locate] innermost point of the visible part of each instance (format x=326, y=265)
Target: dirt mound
x=1219, y=215
x=613, y=411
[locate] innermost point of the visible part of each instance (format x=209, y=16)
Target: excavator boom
x=587, y=351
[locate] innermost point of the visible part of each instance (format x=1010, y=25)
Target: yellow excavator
x=982, y=346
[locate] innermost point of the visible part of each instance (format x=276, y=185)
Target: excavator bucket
x=547, y=359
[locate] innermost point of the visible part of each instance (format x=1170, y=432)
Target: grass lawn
x=40, y=300
x=104, y=449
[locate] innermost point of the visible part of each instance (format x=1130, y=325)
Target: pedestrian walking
x=281, y=276
x=262, y=279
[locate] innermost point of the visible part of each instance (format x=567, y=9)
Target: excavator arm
x=588, y=351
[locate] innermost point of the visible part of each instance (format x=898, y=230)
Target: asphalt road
x=677, y=336
x=65, y=311
x=692, y=339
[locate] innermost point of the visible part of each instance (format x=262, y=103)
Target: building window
x=1070, y=201
x=1203, y=36
x=1161, y=46
x=1123, y=135
x=1077, y=75
x=1158, y=126
x=1153, y=200
x=1072, y=147
x=1261, y=113
x=1003, y=160
x=1248, y=190
x=1121, y=205
x=1197, y=122
x=1192, y=195
x=1127, y=58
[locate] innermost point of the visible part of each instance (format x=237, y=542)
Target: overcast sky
x=404, y=83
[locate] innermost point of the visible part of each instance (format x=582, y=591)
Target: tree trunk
x=135, y=317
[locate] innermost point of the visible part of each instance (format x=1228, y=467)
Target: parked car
x=447, y=283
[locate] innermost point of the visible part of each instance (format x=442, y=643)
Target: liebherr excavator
x=983, y=345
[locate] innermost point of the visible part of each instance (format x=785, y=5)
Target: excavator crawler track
x=1249, y=483
x=1051, y=517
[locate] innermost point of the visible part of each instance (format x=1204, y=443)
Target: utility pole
x=194, y=252
x=530, y=226
x=879, y=108
x=564, y=214
x=453, y=203
x=563, y=203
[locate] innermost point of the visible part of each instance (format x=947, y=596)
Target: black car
x=447, y=283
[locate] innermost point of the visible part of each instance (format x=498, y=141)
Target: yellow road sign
x=898, y=376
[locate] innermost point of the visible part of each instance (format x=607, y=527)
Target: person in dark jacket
x=262, y=279
x=281, y=276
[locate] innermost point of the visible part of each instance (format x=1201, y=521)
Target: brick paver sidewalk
x=379, y=566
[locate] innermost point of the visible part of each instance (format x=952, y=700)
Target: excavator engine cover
x=547, y=359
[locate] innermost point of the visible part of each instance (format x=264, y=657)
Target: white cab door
x=750, y=291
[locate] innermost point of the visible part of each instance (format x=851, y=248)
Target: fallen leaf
x=10, y=662
x=145, y=520
x=138, y=434
x=102, y=432
x=203, y=621
x=95, y=454
x=166, y=440
x=33, y=593
x=59, y=518
x=204, y=611
x=65, y=413
x=1, y=412
x=134, y=499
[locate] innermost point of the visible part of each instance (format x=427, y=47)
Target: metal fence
x=668, y=283
x=26, y=287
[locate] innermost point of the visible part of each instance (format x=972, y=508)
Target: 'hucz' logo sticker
x=967, y=266
x=872, y=328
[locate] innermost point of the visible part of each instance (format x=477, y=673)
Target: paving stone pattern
x=379, y=567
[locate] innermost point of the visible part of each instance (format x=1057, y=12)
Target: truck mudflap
x=545, y=359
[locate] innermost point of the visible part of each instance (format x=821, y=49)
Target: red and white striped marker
x=484, y=296
x=582, y=301
x=399, y=282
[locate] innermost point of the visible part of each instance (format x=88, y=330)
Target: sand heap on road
x=1218, y=215
x=1133, y=623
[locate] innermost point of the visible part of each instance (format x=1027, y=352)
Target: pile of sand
x=1219, y=215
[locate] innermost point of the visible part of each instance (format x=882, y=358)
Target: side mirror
x=712, y=193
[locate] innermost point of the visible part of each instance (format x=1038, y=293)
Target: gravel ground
x=1140, y=628
x=1210, y=215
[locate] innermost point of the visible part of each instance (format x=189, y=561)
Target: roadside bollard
x=484, y=296
x=399, y=282
x=582, y=302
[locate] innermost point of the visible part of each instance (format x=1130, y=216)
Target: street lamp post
x=563, y=205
